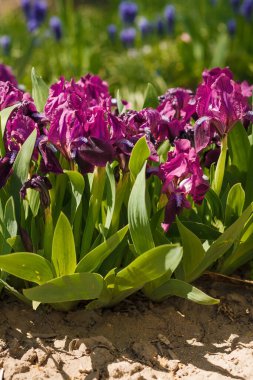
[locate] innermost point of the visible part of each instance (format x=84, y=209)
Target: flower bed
x=99, y=201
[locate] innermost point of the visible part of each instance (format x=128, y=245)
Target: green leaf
x=96, y=197
x=39, y=91
x=202, y=231
x=249, y=180
x=22, y=162
x=163, y=150
x=28, y=266
x=92, y=261
x=4, y=116
x=148, y=267
x=139, y=155
x=182, y=289
x=33, y=198
x=16, y=243
x=14, y=292
x=150, y=97
x=120, y=105
x=77, y=187
x=215, y=204
x=63, y=248
x=10, y=221
x=193, y=250
x=223, y=243
x=239, y=148
x=235, y=203
x=74, y=287
x=110, y=195
x=242, y=254
x=139, y=225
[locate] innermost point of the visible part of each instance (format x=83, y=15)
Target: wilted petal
x=6, y=164
x=177, y=202
x=94, y=152
x=49, y=162
x=41, y=184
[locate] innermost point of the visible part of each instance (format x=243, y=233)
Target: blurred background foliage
x=205, y=33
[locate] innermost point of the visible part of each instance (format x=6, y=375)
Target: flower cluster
x=35, y=13
x=82, y=123
x=128, y=12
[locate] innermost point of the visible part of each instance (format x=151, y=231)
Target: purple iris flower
x=145, y=27
x=127, y=37
x=56, y=27
x=5, y=43
x=6, y=75
x=35, y=13
x=112, y=32
x=128, y=11
x=78, y=121
x=176, y=108
x=40, y=184
x=170, y=16
x=27, y=8
x=235, y=4
x=9, y=95
x=247, y=9
x=231, y=27
x=181, y=175
x=40, y=11
x=160, y=27
x=221, y=103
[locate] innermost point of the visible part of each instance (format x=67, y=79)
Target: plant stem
x=220, y=168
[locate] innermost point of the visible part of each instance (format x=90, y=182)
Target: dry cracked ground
x=136, y=340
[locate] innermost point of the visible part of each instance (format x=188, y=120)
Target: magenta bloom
x=221, y=103
x=6, y=75
x=9, y=95
x=77, y=112
x=177, y=107
x=181, y=175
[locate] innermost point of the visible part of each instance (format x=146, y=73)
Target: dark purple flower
x=160, y=27
x=221, y=103
x=32, y=25
x=56, y=27
x=211, y=157
x=6, y=75
x=5, y=43
x=127, y=37
x=49, y=162
x=112, y=32
x=27, y=8
x=40, y=11
x=181, y=175
x=170, y=16
x=128, y=11
x=213, y=2
x=247, y=9
x=41, y=184
x=235, y=4
x=6, y=164
x=231, y=27
x=145, y=27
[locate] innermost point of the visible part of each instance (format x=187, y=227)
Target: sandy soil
x=136, y=340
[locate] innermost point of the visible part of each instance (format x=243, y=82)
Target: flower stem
x=220, y=168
